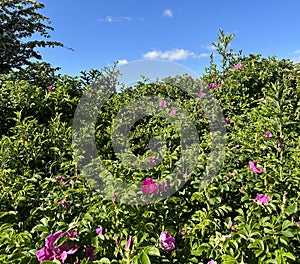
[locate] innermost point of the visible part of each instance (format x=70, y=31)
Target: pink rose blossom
x=214, y=85
x=163, y=103
x=166, y=241
x=201, y=94
x=53, y=252
x=99, y=230
x=211, y=262
x=172, y=112
x=254, y=168
x=149, y=186
x=50, y=88
x=268, y=134
x=261, y=198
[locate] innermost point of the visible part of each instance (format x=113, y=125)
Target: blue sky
x=102, y=32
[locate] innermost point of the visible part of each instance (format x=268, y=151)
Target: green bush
x=247, y=214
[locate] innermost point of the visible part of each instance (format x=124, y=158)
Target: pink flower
x=268, y=134
x=172, y=112
x=163, y=103
x=128, y=243
x=72, y=234
x=99, y=230
x=278, y=143
x=89, y=253
x=298, y=223
x=261, y=198
x=152, y=162
x=237, y=66
x=166, y=241
x=149, y=186
x=211, y=262
x=201, y=94
x=59, y=178
x=253, y=167
x=291, y=77
x=53, y=252
x=113, y=198
x=214, y=85
x=65, y=204
x=50, y=88
x=227, y=120
x=230, y=224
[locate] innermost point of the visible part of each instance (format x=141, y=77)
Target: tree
x=19, y=21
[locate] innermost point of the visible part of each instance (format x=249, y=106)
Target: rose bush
x=249, y=213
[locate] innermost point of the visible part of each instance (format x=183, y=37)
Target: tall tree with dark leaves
x=19, y=22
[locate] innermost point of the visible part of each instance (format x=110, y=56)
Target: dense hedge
x=248, y=214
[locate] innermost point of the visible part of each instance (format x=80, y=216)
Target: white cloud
x=297, y=51
x=111, y=19
x=173, y=55
x=122, y=62
x=167, y=13
x=209, y=47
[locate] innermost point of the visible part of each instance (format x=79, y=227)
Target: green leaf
x=144, y=259
x=292, y=209
x=152, y=251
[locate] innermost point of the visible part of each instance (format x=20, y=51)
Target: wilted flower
x=254, y=168
x=268, y=134
x=261, y=198
x=65, y=204
x=149, y=186
x=163, y=103
x=53, y=252
x=59, y=178
x=89, y=253
x=166, y=241
x=278, y=143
